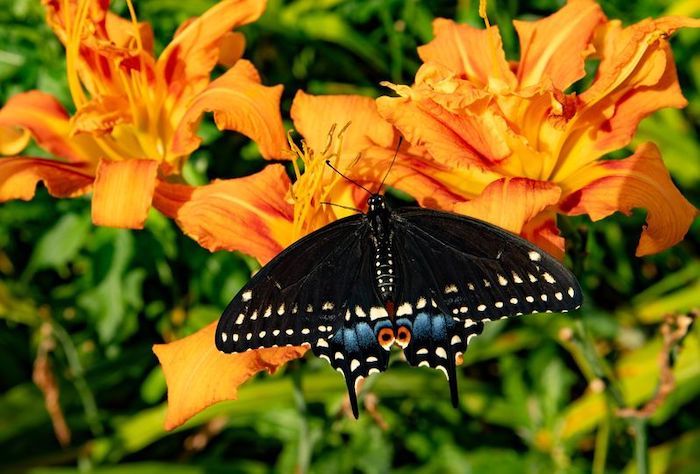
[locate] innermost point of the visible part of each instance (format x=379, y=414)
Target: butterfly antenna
x=341, y=206
x=392, y=163
x=328, y=162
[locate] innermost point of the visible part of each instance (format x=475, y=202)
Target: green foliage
x=99, y=298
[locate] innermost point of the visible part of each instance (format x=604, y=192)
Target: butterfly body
x=380, y=219
x=423, y=280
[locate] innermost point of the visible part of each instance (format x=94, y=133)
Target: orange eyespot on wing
x=403, y=336
x=386, y=337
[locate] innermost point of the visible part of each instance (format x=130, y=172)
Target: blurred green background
x=539, y=394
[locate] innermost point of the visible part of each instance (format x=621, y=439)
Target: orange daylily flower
x=531, y=146
x=262, y=214
x=136, y=114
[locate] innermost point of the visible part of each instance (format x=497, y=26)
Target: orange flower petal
x=231, y=48
x=123, y=192
x=640, y=181
x=106, y=41
x=473, y=54
x=122, y=34
x=189, y=58
x=542, y=231
x=240, y=103
x=13, y=139
x=46, y=119
x=511, y=203
x=432, y=184
x=198, y=375
x=314, y=116
x=19, y=177
x=102, y=114
x=248, y=214
x=451, y=138
x=555, y=47
x=636, y=77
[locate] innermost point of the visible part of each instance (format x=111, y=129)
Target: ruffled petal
x=240, y=103
x=123, y=192
x=640, y=181
x=47, y=121
x=189, y=58
x=636, y=76
x=19, y=177
x=556, y=47
x=248, y=214
x=511, y=202
x=471, y=53
x=314, y=116
x=198, y=375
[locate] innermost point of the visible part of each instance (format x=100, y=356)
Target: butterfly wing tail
x=438, y=341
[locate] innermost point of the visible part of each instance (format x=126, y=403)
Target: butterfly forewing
x=478, y=271
x=297, y=297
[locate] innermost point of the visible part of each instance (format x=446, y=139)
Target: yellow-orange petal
x=123, y=192
x=555, y=47
x=640, y=181
x=240, y=103
x=189, y=58
x=47, y=121
x=198, y=375
x=314, y=116
x=248, y=214
x=13, y=139
x=19, y=177
x=511, y=202
x=474, y=54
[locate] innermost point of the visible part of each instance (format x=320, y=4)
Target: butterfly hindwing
x=353, y=350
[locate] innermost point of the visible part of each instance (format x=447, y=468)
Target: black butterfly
x=422, y=279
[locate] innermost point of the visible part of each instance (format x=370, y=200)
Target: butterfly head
x=376, y=203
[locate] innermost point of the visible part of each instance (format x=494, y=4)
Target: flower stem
x=602, y=442
x=87, y=398
x=641, y=454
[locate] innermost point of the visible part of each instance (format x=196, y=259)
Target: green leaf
x=59, y=245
